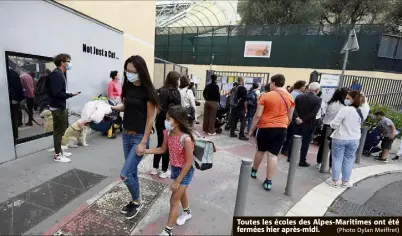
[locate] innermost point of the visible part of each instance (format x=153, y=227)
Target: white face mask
x=132, y=77
x=348, y=102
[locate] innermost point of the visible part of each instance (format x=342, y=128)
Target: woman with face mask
x=169, y=95
x=114, y=87
x=335, y=104
x=345, y=139
x=139, y=103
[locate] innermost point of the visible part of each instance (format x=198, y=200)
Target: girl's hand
x=141, y=149
x=175, y=186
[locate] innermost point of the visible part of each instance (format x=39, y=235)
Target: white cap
x=314, y=86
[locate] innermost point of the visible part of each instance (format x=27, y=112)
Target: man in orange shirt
x=274, y=113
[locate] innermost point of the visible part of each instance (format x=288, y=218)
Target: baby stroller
x=372, y=140
x=110, y=122
x=221, y=119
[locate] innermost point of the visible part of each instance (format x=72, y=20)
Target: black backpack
x=252, y=99
x=42, y=93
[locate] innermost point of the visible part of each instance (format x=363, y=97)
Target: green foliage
x=279, y=11
x=393, y=18
x=318, y=11
x=354, y=11
x=395, y=116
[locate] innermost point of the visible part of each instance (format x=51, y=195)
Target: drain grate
x=342, y=207
x=21, y=213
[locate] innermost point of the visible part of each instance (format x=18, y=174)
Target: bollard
x=296, y=146
x=242, y=187
x=359, y=152
x=325, y=152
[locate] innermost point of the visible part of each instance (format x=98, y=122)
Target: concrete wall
x=135, y=18
x=291, y=74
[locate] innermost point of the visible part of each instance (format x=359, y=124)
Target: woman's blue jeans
x=129, y=173
x=343, y=158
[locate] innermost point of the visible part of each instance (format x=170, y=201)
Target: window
x=24, y=73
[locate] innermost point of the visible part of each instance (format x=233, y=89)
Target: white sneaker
x=346, y=185
x=331, y=183
x=318, y=166
x=183, y=218
x=154, y=171
x=164, y=233
x=164, y=175
x=67, y=154
x=61, y=158
x=212, y=134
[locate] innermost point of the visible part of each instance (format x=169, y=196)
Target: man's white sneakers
x=61, y=158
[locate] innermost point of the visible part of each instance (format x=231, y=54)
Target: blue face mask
x=168, y=126
x=68, y=66
x=132, y=77
x=348, y=102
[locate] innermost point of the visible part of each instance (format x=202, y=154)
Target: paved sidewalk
x=375, y=196
x=212, y=193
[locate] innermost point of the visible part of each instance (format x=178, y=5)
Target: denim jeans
x=343, y=157
x=307, y=134
x=249, y=122
x=132, y=160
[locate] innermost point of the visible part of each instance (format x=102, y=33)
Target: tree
x=354, y=11
x=393, y=18
x=279, y=11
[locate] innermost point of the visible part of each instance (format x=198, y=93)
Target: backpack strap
x=360, y=114
x=182, y=137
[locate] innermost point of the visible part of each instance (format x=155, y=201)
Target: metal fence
x=162, y=68
x=381, y=91
x=298, y=46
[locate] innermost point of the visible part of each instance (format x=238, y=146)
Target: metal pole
x=242, y=187
x=361, y=145
x=345, y=61
x=296, y=146
x=325, y=152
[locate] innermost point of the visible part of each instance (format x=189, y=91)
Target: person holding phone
x=58, y=102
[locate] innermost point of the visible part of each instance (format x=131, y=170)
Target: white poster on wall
x=249, y=80
x=195, y=79
x=260, y=49
x=227, y=87
x=329, y=83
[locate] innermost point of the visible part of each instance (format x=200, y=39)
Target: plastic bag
x=95, y=111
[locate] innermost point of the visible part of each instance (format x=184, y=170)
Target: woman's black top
x=168, y=97
x=135, y=109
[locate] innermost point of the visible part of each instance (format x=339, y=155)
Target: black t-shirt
x=135, y=109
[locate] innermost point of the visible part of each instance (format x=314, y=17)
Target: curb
x=318, y=199
x=81, y=208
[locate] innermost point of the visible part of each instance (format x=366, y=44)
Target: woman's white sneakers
x=162, y=175
x=183, y=218
x=154, y=171
x=331, y=183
